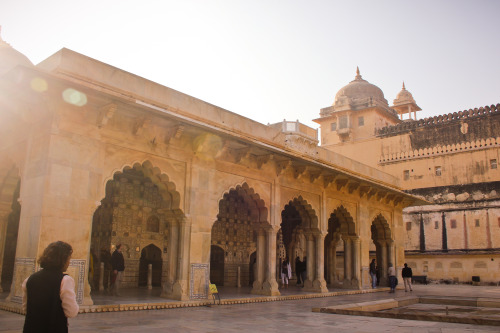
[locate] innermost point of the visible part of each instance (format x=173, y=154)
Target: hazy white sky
x=270, y=60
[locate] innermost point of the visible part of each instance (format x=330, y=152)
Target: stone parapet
x=438, y=120
x=440, y=150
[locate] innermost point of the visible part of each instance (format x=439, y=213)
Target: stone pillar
x=101, y=277
x=270, y=285
x=181, y=285
x=4, y=214
x=383, y=264
x=390, y=253
x=261, y=261
x=319, y=283
x=333, y=263
x=308, y=283
x=347, y=262
x=173, y=247
x=150, y=276
x=356, y=256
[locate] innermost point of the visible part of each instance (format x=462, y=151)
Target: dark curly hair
x=56, y=255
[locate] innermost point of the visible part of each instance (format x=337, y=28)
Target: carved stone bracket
x=341, y=183
x=174, y=132
x=262, y=159
x=353, y=186
x=140, y=124
x=283, y=166
x=328, y=179
x=106, y=113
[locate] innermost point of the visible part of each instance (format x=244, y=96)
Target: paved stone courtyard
x=288, y=316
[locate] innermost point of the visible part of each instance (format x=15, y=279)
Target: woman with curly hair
x=49, y=295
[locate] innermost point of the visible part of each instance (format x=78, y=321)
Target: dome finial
x=404, y=85
x=358, y=76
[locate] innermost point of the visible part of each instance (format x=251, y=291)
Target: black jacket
x=44, y=312
x=407, y=272
x=117, y=261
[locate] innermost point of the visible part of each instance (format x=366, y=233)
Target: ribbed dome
x=404, y=97
x=359, y=92
x=10, y=57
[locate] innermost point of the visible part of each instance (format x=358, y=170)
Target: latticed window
x=153, y=224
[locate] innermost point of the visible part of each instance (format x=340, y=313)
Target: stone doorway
x=383, y=247
x=292, y=237
x=342, y=251
x=139, y=211
x=234, y=238
x=217, y=265
x=150, y=255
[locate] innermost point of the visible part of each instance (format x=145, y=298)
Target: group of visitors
x=406, y=273
x=286, y=271
x=49, y=297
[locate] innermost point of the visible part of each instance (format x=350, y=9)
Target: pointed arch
x=166, y=186
x=380, y=228
x=341, y=221
x=258, y=209
x=306, y=211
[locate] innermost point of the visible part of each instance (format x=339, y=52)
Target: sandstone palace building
x=96, y=156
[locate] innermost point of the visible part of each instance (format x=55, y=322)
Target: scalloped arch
x=380, y=228
x=252, y=199
x=346, y=225
x=166, y=187
x=306, y=212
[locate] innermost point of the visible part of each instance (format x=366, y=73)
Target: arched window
x=153, y=224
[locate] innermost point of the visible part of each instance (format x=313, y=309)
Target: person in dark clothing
x=118, y=264
x=303, y=272
x=407, y=275
x=49, y=297
x=373, y=273
x=298, y=270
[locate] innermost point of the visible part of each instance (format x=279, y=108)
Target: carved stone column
x=261, y=261
x=391, y=258
x=173, y=248
x=356, y=256
x=383, y=264
x=181, y=285
x=308, y=283
x=347, y=262
x=270, y=285
x=332, y=264
x=319, y=283
x=4, y=213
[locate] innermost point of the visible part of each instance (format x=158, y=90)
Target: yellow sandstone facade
x=96, y=156
x=449, y=160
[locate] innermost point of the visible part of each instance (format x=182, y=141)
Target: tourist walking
x=118, y=264
x=407, y=275
x=286, y=273
x=49, y=297
x=298, y=270
x=303, y=272
x=391, y=272
x=373, y=273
